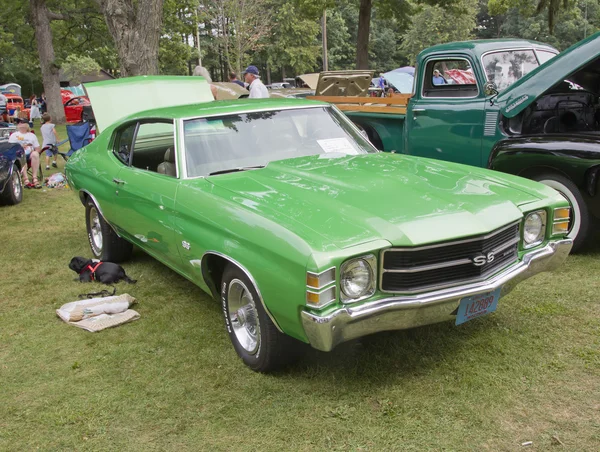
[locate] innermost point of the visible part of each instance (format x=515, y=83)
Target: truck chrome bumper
x=404, y=312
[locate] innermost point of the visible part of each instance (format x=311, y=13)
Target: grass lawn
x=172, y=381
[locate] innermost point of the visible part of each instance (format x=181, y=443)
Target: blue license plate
x=477, y=305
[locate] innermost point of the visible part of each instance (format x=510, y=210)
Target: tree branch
x=56, y=16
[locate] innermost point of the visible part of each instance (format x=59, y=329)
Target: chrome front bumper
x=403, y=312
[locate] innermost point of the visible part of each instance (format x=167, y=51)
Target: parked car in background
x=12, y=159
x=279, y=85
x=6, y=129
x=74, y=108
x=13, y=102
x=281, y=210
x=511, y=105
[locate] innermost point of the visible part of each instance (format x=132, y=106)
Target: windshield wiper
x=235, y=170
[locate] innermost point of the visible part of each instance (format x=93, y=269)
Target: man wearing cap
x=257, y=88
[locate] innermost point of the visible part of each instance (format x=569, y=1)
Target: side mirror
x=490, y=89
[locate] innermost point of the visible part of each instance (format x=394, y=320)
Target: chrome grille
x=411, y=270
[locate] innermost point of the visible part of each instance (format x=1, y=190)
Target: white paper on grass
x=337, y=145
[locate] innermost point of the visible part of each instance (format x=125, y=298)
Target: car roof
x=481, y=46
x=223, y=107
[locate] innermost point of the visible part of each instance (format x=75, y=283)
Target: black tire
x=272, y=350
x=13, y=190
x=579, y=227
x=106, y=245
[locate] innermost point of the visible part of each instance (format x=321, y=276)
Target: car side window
x=154, y=148
x=451, y=77
x=124, y=143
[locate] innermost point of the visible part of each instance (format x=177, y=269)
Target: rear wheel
x=13, y=190
x=106, y=245
x=579, y=225
x=254, y=336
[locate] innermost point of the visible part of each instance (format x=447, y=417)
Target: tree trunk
x=362, y=40
x=135, y=27
x=43, y=37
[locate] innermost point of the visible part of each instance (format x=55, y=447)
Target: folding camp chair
x=79, y=135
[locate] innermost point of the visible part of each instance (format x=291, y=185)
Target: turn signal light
x=560, y=228
x=562, y=213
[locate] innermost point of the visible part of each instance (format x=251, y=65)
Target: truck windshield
x=506, y=67
x=246, y=140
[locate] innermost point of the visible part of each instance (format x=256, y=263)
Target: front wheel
x=106, y=245
x=13, y=190
x=254, y=336
x=580, y=217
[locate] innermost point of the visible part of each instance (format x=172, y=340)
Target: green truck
x=515, y=106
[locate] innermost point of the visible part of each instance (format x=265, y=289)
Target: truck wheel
x=13, y=190
x=580, y=221
x=106, y=245
x=254, y=336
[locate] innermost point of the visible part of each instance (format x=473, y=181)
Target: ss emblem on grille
x=483, y=259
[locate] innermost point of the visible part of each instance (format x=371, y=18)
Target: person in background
x=14, y=115
x=49, y=140
x=31, y=145
x=438, y=79
x=233, y=79
x=43, y=106
x=34, y=110
x=3, y=101
x=256, y=87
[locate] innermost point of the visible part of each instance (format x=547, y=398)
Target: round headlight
x=356, y=278
x=533, y=229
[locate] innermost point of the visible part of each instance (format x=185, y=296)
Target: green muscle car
x=304, y=232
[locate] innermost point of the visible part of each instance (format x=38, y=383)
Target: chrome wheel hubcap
x=16, y=185
x=243, y=316
x=95, y=230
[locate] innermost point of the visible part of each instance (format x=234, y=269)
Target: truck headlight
x=534, y=228
x=357, y=278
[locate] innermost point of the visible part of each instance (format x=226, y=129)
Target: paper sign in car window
x=338, y=145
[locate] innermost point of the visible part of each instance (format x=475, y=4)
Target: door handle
x=119, y=181
x=418, y=109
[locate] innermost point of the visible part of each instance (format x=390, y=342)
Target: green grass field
x=172, y=381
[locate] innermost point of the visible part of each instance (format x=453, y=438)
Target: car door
x=445, y=121
x=144, y=199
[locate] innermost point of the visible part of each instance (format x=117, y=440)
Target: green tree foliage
x=341, y=51
x=76, y=66
x=293, y=40
x=581, y=19
x=437, y=24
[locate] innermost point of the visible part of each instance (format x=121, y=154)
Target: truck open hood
x=113, y=100
x=344, y=83
x=522, y=93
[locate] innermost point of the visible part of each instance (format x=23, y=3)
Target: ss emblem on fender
x=483, y=259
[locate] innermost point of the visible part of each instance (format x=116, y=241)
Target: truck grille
x=411, y=270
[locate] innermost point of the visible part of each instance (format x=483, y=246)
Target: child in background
x=49, y=140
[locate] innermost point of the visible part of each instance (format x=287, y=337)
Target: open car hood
x=522, y=93
x=344, y=83
x=311, y=80
x=230, y=90
x=113, y=100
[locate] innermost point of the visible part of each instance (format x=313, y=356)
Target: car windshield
x=250, y=140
